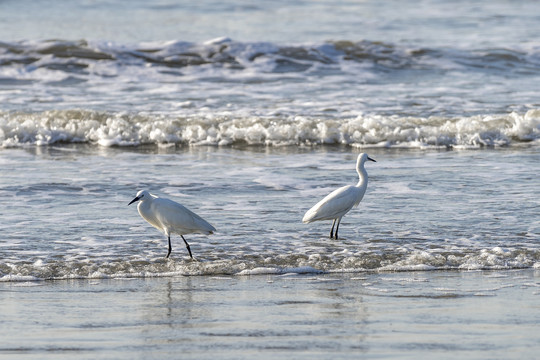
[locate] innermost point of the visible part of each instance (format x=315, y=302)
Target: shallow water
x=66, y=213
x=476, y=315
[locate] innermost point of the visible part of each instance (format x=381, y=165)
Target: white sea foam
x=275, y=271
x=120, y=129
x=19, y=278
x=427, y=260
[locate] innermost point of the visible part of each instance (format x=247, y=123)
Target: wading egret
x=170, y=217
x=340, y=201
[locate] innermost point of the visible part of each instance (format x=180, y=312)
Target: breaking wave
x=77, y=57
x=122, y=129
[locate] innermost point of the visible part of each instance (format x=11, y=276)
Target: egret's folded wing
x=334, y=205
x=177, y=216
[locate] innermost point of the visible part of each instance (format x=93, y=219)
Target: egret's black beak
x=371, y=159
x=134, y=200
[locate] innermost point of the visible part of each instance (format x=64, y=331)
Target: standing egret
x=170, y=217
x=340, y=201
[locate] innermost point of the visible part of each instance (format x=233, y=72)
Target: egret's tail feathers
x=209, y=230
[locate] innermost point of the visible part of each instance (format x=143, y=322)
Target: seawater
x=66, y=213
x=248, y=114
x=251, y=130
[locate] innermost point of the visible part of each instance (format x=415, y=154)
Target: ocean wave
x=495, y=258
x=242, y=80
x=79, y=57
x=122, y=129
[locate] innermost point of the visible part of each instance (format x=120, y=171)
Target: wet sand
x=405, y=315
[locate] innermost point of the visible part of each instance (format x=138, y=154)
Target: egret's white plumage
x=170, y=217
x=340, y=201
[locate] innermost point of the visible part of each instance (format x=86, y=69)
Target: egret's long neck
x=362, y=174
x=142, y=207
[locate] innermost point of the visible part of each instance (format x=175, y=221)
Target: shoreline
x=260, y=272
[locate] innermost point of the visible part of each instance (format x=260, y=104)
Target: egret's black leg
x=337, y=227
x=170, y=248
x=332, y=231
x=187, y=246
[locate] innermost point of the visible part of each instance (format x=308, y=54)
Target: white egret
x=340, y=201
x=170, y=217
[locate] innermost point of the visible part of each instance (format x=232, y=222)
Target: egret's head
x=141, y=195
x=363, y=157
